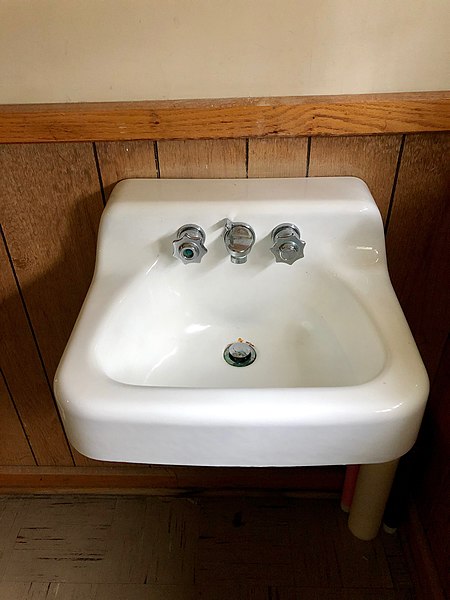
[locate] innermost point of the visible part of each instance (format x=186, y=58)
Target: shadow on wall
x=45, y=273
x=56, y=279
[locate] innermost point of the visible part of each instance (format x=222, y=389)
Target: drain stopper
x=239, y=354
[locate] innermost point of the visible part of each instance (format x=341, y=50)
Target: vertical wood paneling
x=433, y=501
x=277, y=157
x=418, y=242
x=25, y=376
x=418, y=246
x=14, y=447
x=50, y=208
x=125, y=160
x=202, y=159
x=372, y=158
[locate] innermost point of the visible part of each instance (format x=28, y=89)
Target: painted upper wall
x=103, y=50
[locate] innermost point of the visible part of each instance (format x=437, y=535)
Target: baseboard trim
x=169, y=480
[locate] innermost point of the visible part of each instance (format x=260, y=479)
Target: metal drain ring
x=239, y=354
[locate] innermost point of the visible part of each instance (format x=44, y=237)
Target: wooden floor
x=147, y=548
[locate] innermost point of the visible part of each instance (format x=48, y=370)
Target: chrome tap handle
x=287, y=244
x=189, y=246
x=239, y=239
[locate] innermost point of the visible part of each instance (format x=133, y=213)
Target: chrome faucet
x=287, y=243
x=239, y=239
x=189, y=246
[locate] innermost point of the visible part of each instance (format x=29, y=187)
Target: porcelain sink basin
x=337, y=377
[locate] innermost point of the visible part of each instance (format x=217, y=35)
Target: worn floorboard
x=149, y=548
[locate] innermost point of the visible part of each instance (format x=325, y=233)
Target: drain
x=240, y=354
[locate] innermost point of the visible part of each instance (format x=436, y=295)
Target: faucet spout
x=239, y=239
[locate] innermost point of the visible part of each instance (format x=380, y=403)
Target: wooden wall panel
x=372, y=158
x=202, y=159
x=418, y=242
x=434, y=491
x=134, y=479
x=125, y=160
x=51, y=206
x=277, y=157
x=418, y=245
x=25, y=375
x=14, y=447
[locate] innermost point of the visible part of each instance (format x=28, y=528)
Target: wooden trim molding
x=159, y=480
x=229, y=118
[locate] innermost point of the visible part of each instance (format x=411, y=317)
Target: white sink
x=337, y=378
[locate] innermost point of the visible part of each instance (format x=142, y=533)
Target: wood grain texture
x=99, y=479
x=143, y=479
x=418, y=242
x=25, y=376
x=277, y=157
x=202, y=159
x=231, y=118
x=372, y=158
x=124, y=160
x=14, y=447
x=50, y=208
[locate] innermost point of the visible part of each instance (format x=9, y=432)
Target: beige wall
x=100, y=50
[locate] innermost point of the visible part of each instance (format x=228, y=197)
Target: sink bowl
x=337, y=377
